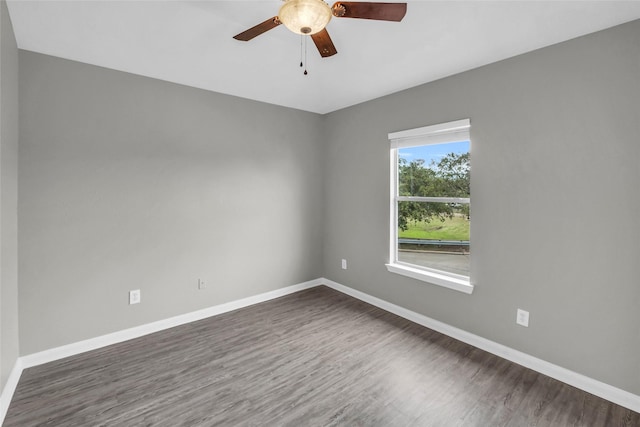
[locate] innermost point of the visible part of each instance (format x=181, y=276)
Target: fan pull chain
x=305, y=55
x=301, y=36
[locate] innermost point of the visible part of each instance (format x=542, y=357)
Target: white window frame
x=436, y=134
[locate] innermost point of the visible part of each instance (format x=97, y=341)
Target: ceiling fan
x=310, y=17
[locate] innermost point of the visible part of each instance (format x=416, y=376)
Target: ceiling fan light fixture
x=305, y=17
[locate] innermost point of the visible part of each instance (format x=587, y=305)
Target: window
x=430, y=204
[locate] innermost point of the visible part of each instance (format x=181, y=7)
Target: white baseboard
x=139, y=331
x=598, y=388
x=9, y=388
x=61, y=352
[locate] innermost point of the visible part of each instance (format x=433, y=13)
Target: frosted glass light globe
x=305, y=16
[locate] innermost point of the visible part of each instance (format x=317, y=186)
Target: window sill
x=461, y=285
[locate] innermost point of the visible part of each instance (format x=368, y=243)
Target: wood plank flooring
x=314, y=358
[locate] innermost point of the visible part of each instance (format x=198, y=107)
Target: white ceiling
x=190, y=42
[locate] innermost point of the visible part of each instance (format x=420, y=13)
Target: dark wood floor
x=314, y=358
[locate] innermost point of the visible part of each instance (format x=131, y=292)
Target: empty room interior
x=207, y=218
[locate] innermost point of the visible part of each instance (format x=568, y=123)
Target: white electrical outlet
x=522, y=318
x=344, y=264
x=134, y=297
x=202, y=284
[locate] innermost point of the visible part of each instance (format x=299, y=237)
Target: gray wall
x=127, y=182
x=555, y=205
x=8, y=196
x=132, y=183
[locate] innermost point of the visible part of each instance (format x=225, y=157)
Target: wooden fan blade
x=324, y=44
x=262, y=27
x=370, y=10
